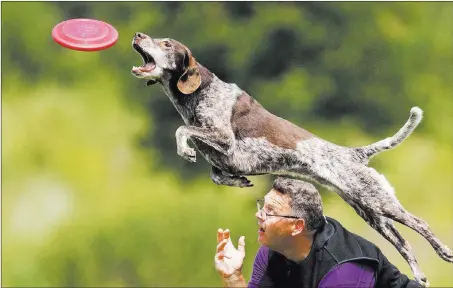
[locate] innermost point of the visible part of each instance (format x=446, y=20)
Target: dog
x=239, y=137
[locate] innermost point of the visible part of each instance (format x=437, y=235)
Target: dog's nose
x=139, y=35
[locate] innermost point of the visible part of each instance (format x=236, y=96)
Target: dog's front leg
x=220, y=178
x=218, y=140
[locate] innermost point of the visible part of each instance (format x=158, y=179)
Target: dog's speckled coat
x=239, y=137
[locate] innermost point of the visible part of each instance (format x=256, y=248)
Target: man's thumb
x=241, y=244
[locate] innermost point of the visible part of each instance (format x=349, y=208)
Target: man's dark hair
x=305, y=201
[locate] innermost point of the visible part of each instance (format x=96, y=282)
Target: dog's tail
x=391, y=142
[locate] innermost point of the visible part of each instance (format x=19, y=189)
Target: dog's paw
x=446, y=254
x=189, y=154
x=231, y=180
x=241, y=181
x=422, y=279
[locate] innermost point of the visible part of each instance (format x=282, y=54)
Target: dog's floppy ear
x=190, y=80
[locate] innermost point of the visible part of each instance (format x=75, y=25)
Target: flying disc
x=85, y=34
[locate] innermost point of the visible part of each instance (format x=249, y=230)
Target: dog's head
x=164, y=59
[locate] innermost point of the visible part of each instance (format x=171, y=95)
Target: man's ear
x=190, y=80
x=299, y=227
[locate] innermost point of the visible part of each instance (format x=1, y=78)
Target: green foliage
x=93, y=191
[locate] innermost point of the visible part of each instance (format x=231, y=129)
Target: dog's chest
x=185, y=105
x=211, y=107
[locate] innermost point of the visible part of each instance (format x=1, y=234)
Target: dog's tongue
x=148, y=67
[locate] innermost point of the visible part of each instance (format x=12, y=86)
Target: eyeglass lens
x=260, y=205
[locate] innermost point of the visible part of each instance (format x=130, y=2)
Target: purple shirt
x=348, y=274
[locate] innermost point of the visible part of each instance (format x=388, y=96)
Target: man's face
x=273, y=230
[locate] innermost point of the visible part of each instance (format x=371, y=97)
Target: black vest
x=332, y=246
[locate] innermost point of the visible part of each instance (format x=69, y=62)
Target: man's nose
x=259, y=215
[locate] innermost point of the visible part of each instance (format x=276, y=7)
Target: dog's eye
x=167, y=44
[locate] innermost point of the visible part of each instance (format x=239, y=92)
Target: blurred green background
x=94, y=193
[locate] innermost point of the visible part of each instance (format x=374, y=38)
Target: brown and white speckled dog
x=239, y=137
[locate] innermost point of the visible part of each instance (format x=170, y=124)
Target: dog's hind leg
x=370, y=189
x=402, y=216
x=390, y=233
x=220, y=178
x=385, y=227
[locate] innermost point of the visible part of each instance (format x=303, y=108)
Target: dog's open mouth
x=148, y=61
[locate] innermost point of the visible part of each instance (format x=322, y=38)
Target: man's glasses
x=263, y=214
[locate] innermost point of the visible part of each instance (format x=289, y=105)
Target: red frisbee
x=85, y=34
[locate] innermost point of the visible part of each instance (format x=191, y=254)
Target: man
x=302, y=248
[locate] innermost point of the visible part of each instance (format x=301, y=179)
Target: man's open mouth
x=148, y=61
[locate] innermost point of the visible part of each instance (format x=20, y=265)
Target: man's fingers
x=221, y=245
x=219, y=235
x=220, y=255
x=226, y=234
x=241, y=244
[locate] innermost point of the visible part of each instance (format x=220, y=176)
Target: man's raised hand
x=228, y=259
